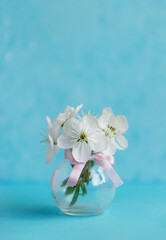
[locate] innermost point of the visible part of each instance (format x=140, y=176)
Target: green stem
x=84, y=180
x=75, y=196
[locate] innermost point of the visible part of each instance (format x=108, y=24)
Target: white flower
x=69, y=113
x=53, y=134
x=83, y=136
x=113, y=127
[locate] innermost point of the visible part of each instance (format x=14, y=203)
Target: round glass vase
x=92, y=194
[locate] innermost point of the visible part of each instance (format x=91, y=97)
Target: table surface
x=27, y=211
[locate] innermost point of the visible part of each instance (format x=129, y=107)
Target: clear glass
x=94, y=200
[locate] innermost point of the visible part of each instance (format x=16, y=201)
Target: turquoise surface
x=27, y=211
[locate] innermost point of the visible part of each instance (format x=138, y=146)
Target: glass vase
x=92, y=194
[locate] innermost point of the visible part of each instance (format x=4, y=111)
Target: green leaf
x=87, y=178
x=75, y=196
x=64, y=182
x=69, y=190
x=83, y=187
x=90, y=164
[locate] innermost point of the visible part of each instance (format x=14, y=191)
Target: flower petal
x=65, y=141
x=51, y=140
x=89, y=124
x=111, y=148
x=98, y=141
x=55, y=132
x=78, y=108
x=55, y=148
x=120, y=123
x=106, y=119
x=72, y=127
x=61, y=118
x=81, y=152
x=49, y=121
x=103, y=121
x=122, y=141
x=50, y=153
x=107, y=110
x=69, y=110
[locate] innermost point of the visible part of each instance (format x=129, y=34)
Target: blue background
x=99, y=53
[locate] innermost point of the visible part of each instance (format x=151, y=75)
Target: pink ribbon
x=106, y=162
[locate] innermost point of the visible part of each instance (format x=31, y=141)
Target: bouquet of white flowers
x=86, y=139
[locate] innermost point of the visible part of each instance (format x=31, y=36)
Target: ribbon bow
x=106, y=162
